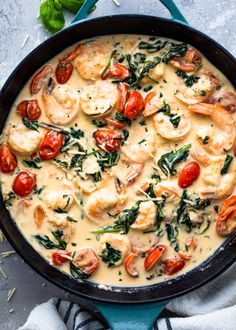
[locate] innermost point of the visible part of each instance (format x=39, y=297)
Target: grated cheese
x=7, y=253
x=10, y=294
x=116, y=2
x=25, y=41
x=3, y=273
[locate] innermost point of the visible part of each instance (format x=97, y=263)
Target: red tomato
x=39, y=79
x=117, y=71
x=173, y=265
x=108, y=139
x=153, y=256
x=134, y=105
x=51, y=144
x=63, y=72
x=8, y=161
x=189, y=173
x=115, y=123
x=122, y=90
x=24, y=183
x=58, y=257
x=29, y=109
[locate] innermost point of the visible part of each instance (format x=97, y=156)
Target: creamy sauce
x=53, y=178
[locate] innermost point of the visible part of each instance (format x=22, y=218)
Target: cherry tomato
x=173, y=265
x=189, y=173
x=153, y=256
x=122, y=90
x=58, y=257
x=63, y=72
x=24, y=183
x=117, y=71
x=29, y=109
x=39, y=79
x=51, y=144
x=8, y=161
x=130, y=266
x=134, y=105
x=108, y=139
x=86, y=260
x=115, y=123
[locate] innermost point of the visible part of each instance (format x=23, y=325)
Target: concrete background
x=18, y=21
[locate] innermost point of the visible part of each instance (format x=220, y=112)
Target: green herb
x=142, y=141
x=75, y=133
x=69, y=218
x=148, y=88
x=203, y=93
x=59, y=210
x=189, y=80
x=32, y=163
x=216, y=208
x=152, y=46
x=175, y=50
x=159, y=203
x=96, y=177
x=174, y=118
x=160, y=95
x=110, y=256
x=62, y=163
x=172, y=232
x=228, y=161
x=206, y=139
x=147, y=67
x=139, y=58
x=99, y=123
x=77, y=273
x=125, y=136
x=48, y=244
x=208, y=222
x=30, y=124
x=150, y=277
x=120, y=117
x=51, y=15
x=8, y=198
x=168, y=161
x=142, y=123
x=160, y=232
x=107, y=159
x=177, y=248
x=38, y=190
x=73, y=244
x=109, y=61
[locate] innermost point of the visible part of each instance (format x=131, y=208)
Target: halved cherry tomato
x=153, y=256
x=39, y=79
x=115, y=123
x=189, y=173
x=8, y=160
x=29, y=109
x=51, y=144
x=185, y=256
x=86, y=260
x=24, y=183
x=59, y=257
x=134, y=105
x=122, y=90
x=191, y=241
x=173, y=265
x=108, y=139
x=130, y=266
x=226, y=221
x=63, y=72
x=117, y=71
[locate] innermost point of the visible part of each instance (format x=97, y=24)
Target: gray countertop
x=20, y=32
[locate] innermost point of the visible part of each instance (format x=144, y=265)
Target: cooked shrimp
x=153, y=103
x=168, y=188
x=92, y=60
x=118, y=242
x=134, y=172
x=98, y=204
x=154, y=74
x=58, y=220
x=218, y=186
x=23, y=140
x=189, y=62
x=86, y=260
x=61, y=199
x=165, y=128
x=143, y=243
x=98, y=99
x=200, y=91
x=139, y=152
x=88, y=186
x=61, y=102
x=200, y=155
x=146, y=216
x=225, y=99
x=217, y=143
x=39, y=79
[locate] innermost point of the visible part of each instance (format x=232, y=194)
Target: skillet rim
x=126, y=294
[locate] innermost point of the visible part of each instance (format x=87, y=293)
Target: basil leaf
x=74, y=5
x=51, y=15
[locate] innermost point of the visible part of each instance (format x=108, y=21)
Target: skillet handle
x=130, y=317
x=84, y=10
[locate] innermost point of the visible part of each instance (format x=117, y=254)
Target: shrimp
x=165, y=127
x=166, y=187
x=154, y=74
x=98, y=99
x=143, y=243
x=98, y=203
x=189, y=62
x=23, y=140
x=146, y=216
x=218, y=186
x=153, y=104
x=200, y=155
x=58, y=220
x=86, y=260
x=225, y=99
x=61, y=199
x=61, y=102
x=139, y=152
x=200, y=91
x=39, y=79
x=217, y=143
x=118, y=242
x=134, y=172
x=92, y=60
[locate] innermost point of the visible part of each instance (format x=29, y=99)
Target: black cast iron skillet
x=136, y=315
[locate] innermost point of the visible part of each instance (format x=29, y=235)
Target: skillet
x=138, y=306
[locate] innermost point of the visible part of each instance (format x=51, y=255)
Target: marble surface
x=20, y=32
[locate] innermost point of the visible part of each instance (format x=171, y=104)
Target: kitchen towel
x=212, y=307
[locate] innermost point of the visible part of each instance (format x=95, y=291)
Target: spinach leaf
x=189, y=80
x=77, y=273
x=51, y=15
x=125, y=136
x=8, y=198
x=228, y=161
x=110, y=256
x=174, y=118
x=172, y=232
x=109, y=61
x=168, y=161
x=139, y=58
x=48, y=244
x=71, y=219
x=107, y=159
x=159, y=203
x=120, y=117
x=32, y=163
x=152, y=46
x=30, y=124
x=99, y=123
x=59, y=210
x=175, y=50
x=96, y=177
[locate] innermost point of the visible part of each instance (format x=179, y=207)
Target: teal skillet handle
x=169, y=4
x=130, y=317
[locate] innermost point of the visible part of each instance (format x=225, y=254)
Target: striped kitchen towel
x=213, y=307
